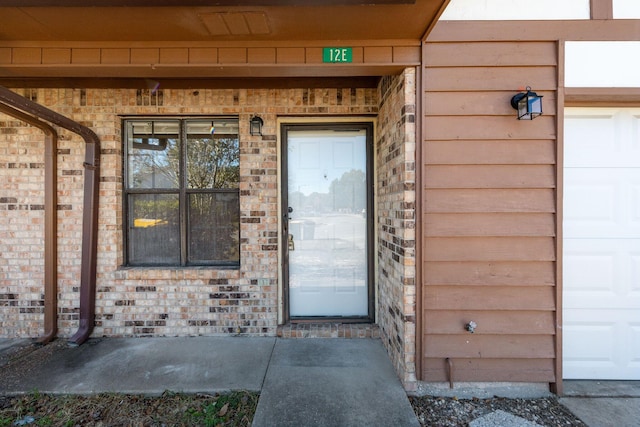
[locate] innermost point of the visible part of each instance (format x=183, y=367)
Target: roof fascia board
x=435, y=20
x=210, y=44
x=575, y=30
x=195, y=3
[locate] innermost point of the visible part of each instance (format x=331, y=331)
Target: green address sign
x=337, y=54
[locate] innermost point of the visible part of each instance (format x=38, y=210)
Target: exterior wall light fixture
x=255, y=126
x=528, y=104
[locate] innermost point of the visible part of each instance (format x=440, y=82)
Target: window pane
x=195, y=164
x=213, y=154
x=153, y=152
x=214, y=228
x=154, y=229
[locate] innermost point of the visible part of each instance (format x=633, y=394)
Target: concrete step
x=328, y=330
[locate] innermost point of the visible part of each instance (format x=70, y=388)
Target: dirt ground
x=107, y=409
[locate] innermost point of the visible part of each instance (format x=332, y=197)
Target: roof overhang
x=200, y=20
x=71, y=38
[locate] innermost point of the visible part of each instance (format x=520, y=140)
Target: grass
x=111, y=409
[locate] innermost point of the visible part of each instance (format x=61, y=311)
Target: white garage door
x=601, y=332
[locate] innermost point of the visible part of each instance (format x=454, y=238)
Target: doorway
x=327, y=227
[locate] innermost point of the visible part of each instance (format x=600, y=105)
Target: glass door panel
x=328, y=256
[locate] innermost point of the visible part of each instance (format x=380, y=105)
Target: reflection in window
x=182, y=191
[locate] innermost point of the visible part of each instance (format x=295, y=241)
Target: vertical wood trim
x=420, y=101
x=601, y=9
x=558, y=385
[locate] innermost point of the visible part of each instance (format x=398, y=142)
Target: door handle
x=292, y=246
x=286, y=215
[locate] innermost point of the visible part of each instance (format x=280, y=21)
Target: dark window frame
x=183, y=192
x=368, y=126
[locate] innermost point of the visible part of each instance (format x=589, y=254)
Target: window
x=181, y=192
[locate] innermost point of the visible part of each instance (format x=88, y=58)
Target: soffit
x=215, y=21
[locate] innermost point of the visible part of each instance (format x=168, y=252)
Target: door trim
x=326, y=124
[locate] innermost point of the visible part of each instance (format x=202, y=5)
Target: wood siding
x=488, y=212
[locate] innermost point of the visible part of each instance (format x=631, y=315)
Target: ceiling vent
x=236, y=23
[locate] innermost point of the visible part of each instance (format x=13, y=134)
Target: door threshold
x=328, y=330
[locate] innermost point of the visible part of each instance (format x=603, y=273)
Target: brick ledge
x=328, y=330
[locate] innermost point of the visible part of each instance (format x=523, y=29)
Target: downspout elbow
x=50, y=221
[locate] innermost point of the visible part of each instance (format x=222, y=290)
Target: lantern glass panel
x=255, y=126
x=522, y=108
x=535, y=105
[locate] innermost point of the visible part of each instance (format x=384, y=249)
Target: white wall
x=602, y=64
x=482, y=10
x=626, y=9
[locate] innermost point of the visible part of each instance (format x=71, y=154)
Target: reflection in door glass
x=327, y=191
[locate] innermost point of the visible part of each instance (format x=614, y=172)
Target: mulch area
x=452, y=412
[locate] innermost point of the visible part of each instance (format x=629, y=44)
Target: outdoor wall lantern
x=528, y=104
x=255, y=126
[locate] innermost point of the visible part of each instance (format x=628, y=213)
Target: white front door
x=601, y=332
x=327, y=253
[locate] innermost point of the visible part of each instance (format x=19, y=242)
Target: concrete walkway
x=144, y=365
x=604, y=403
x=303, y=382
x=324, y=382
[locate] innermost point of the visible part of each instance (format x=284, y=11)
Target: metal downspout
x=50, y=221
x=90, y=204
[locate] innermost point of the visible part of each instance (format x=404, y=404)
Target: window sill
x=177, y=273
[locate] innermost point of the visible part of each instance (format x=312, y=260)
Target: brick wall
x=395, y=152
x=145, y=301
x=22, y=230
